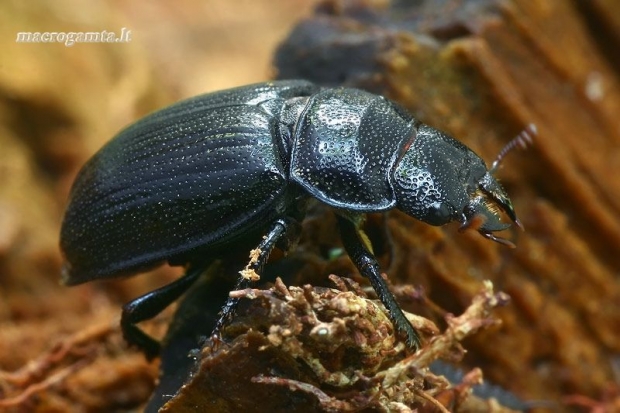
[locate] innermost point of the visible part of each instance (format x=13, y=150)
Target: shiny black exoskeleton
x=233, y=168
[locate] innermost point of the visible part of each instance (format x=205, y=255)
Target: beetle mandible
x=234, y=167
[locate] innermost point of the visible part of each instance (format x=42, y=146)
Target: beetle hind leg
x=354, y=243
x=148, y=306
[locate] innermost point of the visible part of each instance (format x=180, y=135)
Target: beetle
x=236, y=167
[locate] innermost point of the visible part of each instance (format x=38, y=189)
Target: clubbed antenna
x=523, y=140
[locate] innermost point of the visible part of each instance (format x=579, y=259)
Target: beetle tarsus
x=148, y=306
x=368, y=266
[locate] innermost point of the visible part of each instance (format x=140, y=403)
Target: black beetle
x=234, y=167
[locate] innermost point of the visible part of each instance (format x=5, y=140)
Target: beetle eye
x=438, y=214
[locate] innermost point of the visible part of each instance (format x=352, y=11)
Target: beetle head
x=439, y=180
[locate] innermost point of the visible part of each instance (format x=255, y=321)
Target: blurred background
x=481, y=70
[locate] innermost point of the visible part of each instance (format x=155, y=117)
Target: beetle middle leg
x=283, y=229
x=354, y=240
x=149, y=305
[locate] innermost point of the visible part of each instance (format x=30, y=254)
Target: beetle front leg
x=279, y=231
x=367, y=264
x=148, y=306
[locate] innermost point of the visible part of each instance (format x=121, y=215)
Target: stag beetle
x=234, y=167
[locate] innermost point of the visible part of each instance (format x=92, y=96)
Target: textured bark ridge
x=318, y=349
x=482, y=70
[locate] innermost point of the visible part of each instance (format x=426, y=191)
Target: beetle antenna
x=523, y=140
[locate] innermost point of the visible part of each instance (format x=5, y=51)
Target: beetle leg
x=149, y=305
x=368, y=266
x=279, y=229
